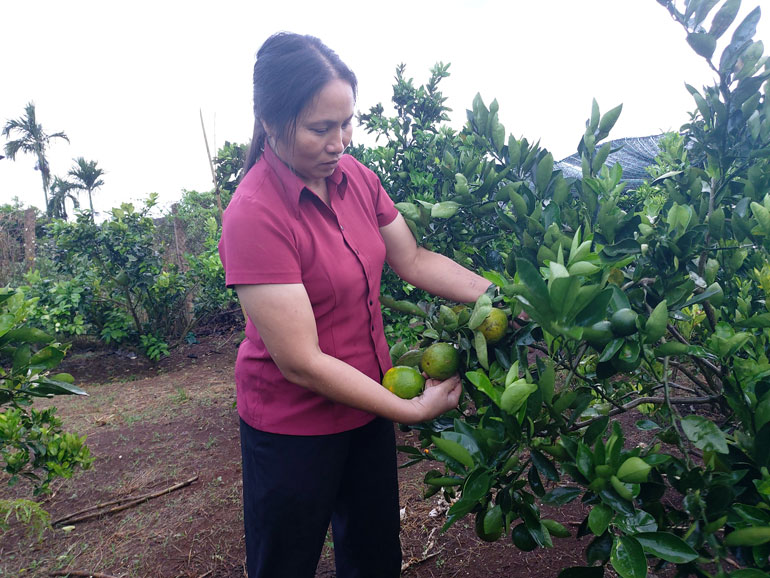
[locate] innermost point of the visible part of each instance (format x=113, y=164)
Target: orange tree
x=33, y=445
x=660, y=306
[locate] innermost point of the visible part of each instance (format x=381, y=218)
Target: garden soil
x=154, y=426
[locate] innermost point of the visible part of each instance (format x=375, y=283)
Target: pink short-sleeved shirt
x=275, y=230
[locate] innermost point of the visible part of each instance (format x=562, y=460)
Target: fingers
x=453, y=381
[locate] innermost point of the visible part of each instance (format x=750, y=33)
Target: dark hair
x=291, y=69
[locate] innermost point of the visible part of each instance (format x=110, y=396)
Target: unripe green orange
x=406, y=382
x=494, y=326
x=440, y=361
x=623, y=322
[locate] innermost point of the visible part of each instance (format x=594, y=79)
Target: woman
x=304, y=241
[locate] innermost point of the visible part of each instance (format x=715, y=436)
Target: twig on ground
x=81, y=515
x=415, y=561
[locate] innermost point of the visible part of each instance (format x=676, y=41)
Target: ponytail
x=257, y=145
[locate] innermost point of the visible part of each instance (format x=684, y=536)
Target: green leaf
x=599, y=519
x=463, y=439
x=762, y=215
x=47, y=386
x=454, y=450
x=477, y=485
x=593, y=124
x=480, y=311
x=409, y=210
x=21, y=358
x=702, y=43
x=704, y=434
x=547, y=380
x=498, y=136
x=611, y=498
x=480, y=346
x=666, y=546
x=562, y=496
x=596, y=429
x=753, y=536
x=608, y=121
x=741, y=40
x=646, y=425
x=402, y=306
x=482, y=383
x=544, y=172
x=628, y=558
x=444, y=210
x=639, y=521
x=703, y=7
x=533, y=281
x=724, y=17
x=748, y=573
x=759, y=321
x=611, y=349
x=6, y=322
x=544, y=466
x=585, y=460
x=25, y=335
x=707, y=294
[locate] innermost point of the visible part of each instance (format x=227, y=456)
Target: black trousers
x=293, y=486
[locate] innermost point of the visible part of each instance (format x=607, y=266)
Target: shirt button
x=371, y=302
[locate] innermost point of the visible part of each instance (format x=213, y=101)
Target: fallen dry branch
x=81, y=515
x=415, y=561
x=82, y=573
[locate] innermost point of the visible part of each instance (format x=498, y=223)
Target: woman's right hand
x=438, y=397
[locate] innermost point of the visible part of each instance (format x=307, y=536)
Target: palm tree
x=87, y=178
x=60, y=192
x=32, y=140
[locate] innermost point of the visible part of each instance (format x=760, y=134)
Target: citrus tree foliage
x=419, y=160
x=32, y=443
x=228, y=166
x=656, y=301
x=110, y=279
x=120, y=280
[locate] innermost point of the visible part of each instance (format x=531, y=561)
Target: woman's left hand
x=438, y=397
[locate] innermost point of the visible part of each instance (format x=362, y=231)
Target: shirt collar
x=293, y=185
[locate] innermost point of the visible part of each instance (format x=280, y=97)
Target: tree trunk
x=180, y=241
x=29, y=239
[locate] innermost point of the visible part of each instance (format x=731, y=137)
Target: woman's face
x=324, y=130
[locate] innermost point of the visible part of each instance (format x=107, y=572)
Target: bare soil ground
x=152, y=426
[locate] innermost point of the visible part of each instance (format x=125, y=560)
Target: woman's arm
x=427, y=270
x=284, y=318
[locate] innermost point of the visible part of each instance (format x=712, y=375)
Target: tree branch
x=81, y=515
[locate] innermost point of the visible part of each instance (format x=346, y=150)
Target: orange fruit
x=623, y=322
x=406, y=382
x=494, y=326
x=440, y=361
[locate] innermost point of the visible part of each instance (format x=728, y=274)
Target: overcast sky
x=126, y=81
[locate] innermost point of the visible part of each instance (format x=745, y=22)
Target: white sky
x=125, y=81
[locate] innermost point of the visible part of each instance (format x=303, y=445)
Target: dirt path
x=151, y=426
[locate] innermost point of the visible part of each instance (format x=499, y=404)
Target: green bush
x=654, y=299
x=32, y=443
